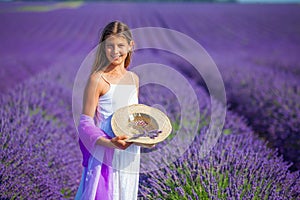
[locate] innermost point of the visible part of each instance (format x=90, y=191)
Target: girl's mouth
x=116, y=56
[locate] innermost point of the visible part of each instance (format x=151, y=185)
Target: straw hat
x=143, y=124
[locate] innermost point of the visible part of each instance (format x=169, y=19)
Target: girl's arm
x=88, y=132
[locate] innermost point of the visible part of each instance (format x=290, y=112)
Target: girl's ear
x=131, y=45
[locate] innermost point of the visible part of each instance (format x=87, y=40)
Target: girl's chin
x=116, y=62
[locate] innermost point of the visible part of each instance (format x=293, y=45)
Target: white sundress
x=118, y=178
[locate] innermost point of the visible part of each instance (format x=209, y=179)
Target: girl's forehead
x=115, y=38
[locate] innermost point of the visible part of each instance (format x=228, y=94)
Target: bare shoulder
x=94, y=79
x=95, y=82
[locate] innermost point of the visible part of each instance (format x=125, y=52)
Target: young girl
x=111, y=165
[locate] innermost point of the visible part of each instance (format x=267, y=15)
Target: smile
x=116, y=56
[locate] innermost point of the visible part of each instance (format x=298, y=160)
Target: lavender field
x=256, y=48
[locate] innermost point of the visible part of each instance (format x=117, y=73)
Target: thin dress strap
x=134, y=84
x=133, y=78
x=104, y=78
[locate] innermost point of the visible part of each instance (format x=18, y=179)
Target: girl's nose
x=116, y=49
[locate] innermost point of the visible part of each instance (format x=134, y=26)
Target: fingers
x=119, y=142
x=152, y=146
x=122, y=137
x=122, y=142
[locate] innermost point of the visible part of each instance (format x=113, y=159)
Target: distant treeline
x=217, y=1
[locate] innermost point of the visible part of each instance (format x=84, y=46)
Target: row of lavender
x=239, y=166
x=39, y=154
x=269, y=99
x=263, y=85
x=261, y=74
x=34, y=41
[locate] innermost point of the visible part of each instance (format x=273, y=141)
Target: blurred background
x=255, y=45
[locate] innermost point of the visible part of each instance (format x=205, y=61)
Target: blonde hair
x=113, y=28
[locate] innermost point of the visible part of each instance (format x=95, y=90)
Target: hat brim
x=126, y=121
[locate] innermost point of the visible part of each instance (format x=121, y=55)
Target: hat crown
x=143, y=120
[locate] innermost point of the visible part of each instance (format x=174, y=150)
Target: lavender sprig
x=152, y=134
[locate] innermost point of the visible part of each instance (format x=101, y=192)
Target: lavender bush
x=239, y=166
x=270, y=101
x=39, y=153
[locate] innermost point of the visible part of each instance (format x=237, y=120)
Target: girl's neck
x=114, y=70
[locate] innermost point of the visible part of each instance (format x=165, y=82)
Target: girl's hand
x=119, y=142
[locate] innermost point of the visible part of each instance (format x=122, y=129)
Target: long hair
x=113, y=28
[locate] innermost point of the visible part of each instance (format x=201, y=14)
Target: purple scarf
x=88, y=135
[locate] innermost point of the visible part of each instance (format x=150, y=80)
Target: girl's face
x=116, y=49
